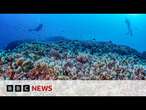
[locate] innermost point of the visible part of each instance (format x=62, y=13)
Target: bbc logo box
x=18, y=88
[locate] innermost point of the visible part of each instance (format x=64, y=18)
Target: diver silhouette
x=37, y=29
x=128, y=24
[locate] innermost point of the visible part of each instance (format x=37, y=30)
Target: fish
x=37, y=29
x=130, y=31
x=94, y=39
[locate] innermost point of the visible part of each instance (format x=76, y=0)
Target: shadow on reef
x=106, y=47
x=56, y=38
x=12, y=45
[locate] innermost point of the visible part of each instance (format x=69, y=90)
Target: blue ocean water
x=100, y=27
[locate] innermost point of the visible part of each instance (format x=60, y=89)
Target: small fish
x=37, y=29
x=93, y=39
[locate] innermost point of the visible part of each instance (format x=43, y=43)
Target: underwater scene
x=72, y=46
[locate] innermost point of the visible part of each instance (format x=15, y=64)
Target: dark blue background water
x=102, y=27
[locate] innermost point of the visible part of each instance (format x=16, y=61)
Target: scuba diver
x=128, y=24
x=37, y=29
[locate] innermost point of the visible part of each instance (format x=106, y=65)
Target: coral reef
x=143, y=55
x=56, y=38
x=71, y=60
x=82, y=59
x=54, y=53
x=12, y=45
x=43, y=72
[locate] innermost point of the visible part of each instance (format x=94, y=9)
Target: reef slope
x=71, y=60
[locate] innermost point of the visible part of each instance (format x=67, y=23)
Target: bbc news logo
x=18, y=88
x=28, y=88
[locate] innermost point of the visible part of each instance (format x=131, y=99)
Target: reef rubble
x=71, y=60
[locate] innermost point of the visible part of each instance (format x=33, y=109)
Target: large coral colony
x=71, y=60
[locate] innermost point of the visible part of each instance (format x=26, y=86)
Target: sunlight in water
x=135, y=14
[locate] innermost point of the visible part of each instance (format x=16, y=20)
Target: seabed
x=71, y=60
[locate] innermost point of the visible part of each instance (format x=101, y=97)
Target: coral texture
x=71, y=60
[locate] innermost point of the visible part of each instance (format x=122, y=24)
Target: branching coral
x=54, y=53
x=42, y=72
x=1, y=62
x=10, y=74
x=82, y=59
x=72, y=60
x=27, y=65
x=20, y=61
x=23, y=64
